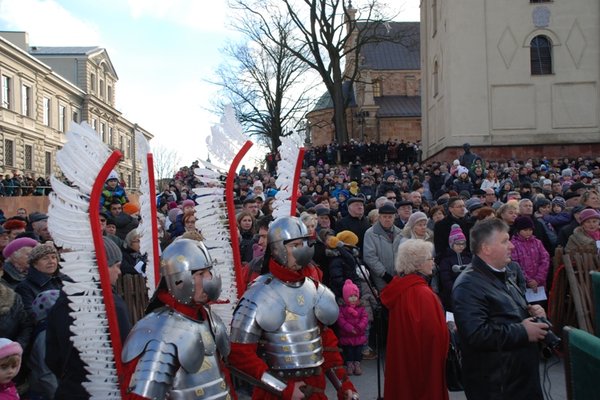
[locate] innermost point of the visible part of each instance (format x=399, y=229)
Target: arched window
x=541, y=56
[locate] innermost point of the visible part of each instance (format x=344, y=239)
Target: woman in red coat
x=417, y=343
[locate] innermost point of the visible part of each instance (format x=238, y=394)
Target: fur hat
x=113, y=253
x=42, y=304
x=350, y=289
x=588, y=213
x=456, y=234
x=17, y=245
x=9, y=348
x=348, y=238
x=523, y=222
x=40, y=251
x=416, y=217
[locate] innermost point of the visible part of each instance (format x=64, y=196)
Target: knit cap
x=462, y=170
x=188, y=203
x=17, y=245
x=172, y=214
x=40, y=251
x=456, y=234
x=349, y=238
x=9, y=348
x=523, y=222
x=42, y=304
x=588, y=213
x=113, y=253
x=559, y=201
x=415, y=217
x=350, y=289
x=387, y=174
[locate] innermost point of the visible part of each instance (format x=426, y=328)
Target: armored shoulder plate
x=168, y=326
x=249, y=320
x=326, y=308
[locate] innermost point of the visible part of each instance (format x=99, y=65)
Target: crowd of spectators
x=377, y=197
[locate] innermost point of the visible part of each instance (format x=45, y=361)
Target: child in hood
x=457, y=255
x=352, y=328
x=112, y=191
x=530, y=253
x=10, y=363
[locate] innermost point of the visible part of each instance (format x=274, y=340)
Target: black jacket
x=499, y=362
x=36, y=282
x=64, y=361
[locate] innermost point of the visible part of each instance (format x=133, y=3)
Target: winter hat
x=523, y=222
x=42, y=304
x=130, y=208
x=17, y=245
x=348, y=238
x=559, y=201
x=188, y=203
x=172, y=205
x=416, y=217
x=567, y=172
x=387, y=174
x=14, y=224
x=353, y=188
x=546, y=182
x=387, y=208
x=37, y=216
x=350, y=289
x=473, y=204
x=9, y=348
x=462, y=170
x=40, y=251
x=112, y=175
x=456, y=234
x=172, y=214
x=588, y=213
x=113, y=253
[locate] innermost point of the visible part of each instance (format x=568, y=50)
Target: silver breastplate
x=180, y=353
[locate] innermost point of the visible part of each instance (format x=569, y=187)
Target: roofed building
x=44, y=89
x=385, y=99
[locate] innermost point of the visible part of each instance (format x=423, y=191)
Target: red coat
x=417, y=344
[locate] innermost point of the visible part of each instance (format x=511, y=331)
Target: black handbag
x=454, y=365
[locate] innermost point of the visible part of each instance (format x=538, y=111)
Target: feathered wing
x=213, y=222
x=288, y=169
x=81, y=160
x=148, y=225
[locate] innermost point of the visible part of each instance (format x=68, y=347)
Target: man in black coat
x=498, y=334
x=355, y=221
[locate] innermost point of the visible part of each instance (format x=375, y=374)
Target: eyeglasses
x=392, y=198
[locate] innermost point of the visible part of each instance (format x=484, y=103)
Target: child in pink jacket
x=352, y=328
x=530, y=253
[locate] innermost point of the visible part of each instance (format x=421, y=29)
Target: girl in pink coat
x=530, y=253
x=352, y=328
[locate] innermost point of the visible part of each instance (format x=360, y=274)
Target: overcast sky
x=161, y=50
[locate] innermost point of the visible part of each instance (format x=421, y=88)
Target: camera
x=551, y=340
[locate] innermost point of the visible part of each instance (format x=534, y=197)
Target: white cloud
x=48, y=23
x=193, y=14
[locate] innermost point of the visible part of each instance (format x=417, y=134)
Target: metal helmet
x=180, y=260
x=284, y=230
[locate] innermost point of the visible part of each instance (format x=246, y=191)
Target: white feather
x=147, y=236
x=80, y=160
x=286, y=169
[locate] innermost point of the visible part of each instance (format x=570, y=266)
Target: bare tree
x=264, y=81
x=327, y=34
x=166, y=163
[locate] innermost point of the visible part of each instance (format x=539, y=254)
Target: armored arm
x=155, y=371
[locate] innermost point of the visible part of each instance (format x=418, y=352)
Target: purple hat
x=456, y=234
x=588, y=213
x=188, y=203
x=17, y=245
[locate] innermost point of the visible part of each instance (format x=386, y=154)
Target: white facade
x=477, y=79
x=42, y=90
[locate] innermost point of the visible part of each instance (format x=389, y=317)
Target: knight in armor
x=280, y=334
x=176, y=351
